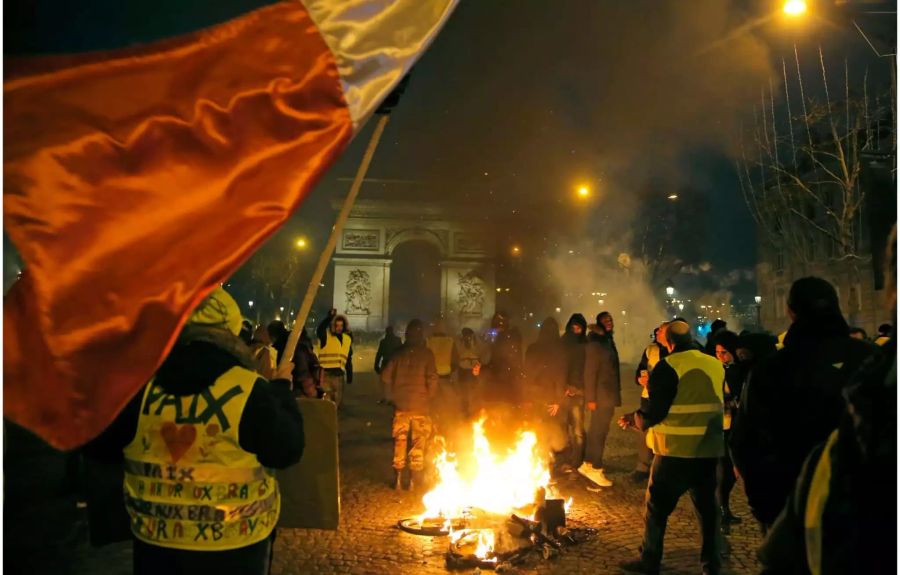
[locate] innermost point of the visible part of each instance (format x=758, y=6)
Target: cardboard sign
x=310, y=490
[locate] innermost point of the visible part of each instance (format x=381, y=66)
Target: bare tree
x=274, y=276
x=800, y=174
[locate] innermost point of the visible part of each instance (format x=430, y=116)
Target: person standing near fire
x=571, y=413
x=602, y=394
x=684, y=413
x=441, y=345
x=410, y=382
x=467, y=355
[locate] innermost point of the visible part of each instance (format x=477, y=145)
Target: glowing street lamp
x=672, y=197
x=301, y=243
x=516, y=250
x=583, y=192
x=794, y=8
x=250, y=303
x=670, y=291
x=681, y=307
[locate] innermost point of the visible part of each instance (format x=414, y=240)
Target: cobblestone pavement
x=368, y=541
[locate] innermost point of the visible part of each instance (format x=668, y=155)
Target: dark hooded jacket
x=601, y=369
x=271, y=426
x=386, y=348
x=574, y=349
x=545, y=365
x=790, y=403
x=410, y=376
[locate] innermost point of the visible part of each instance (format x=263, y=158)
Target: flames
x=486, y=480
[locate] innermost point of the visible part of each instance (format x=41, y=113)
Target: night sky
x=516, y=103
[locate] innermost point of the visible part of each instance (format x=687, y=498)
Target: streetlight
x=250, y=303
x=670, y=291
x=672, y=197
x=583, y=192
x=516, y=250
x=758, y=300
x=681, y=307
x=794, y=8
x=301, y=243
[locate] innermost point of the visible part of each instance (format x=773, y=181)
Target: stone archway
x=365, y=252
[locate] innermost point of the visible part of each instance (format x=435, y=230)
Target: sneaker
x=638, y=566
x=595, y=475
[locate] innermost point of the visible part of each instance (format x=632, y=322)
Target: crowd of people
x=806, y=421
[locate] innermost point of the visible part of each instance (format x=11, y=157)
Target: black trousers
x=254, y=559
x=670, y=478
x=595, y=438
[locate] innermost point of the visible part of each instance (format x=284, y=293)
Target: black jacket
x=271, y=426
x=601, y=371
x=574, y=349
x=859, y=522
x=545, y=369
x=502, y=375
x=386, y=347
x=790, y=403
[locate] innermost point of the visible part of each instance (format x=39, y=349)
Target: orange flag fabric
x=137, y=180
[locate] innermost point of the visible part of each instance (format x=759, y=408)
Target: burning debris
x=497, y=510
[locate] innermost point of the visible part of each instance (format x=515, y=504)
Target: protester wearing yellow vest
x=684, y=413
x=335, y=353
x=199, y=441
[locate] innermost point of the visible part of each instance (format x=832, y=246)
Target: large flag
x=138, y=179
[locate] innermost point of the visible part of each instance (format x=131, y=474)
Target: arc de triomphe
x=364, y=254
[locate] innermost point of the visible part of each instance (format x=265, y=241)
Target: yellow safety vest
x=694, y=425
x=335, y=353
x=188, y=483
x=442, y=348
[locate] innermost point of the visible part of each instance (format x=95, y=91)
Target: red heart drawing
x=178, y=439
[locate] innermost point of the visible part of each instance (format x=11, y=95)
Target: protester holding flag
x=198, y=443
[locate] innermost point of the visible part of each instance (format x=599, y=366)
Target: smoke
x=591, y=278
x=522, y=101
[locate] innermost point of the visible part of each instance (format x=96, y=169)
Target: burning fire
x=493, y=483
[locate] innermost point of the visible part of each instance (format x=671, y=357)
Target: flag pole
x=306, y=306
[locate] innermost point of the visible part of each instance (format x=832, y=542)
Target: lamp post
x=758, y=300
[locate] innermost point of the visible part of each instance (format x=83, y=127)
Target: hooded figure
x=386, y=348
x=502, y=373
x=571, y=413
x=410, y=382
x=792, y=399
x=842, y=513
x=206, y=417
x=545, y=366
